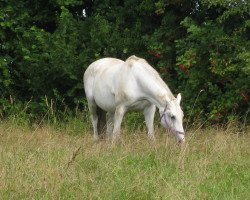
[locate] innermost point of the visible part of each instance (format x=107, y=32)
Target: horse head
x=172, y=116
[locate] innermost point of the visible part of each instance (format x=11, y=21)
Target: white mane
x=134, y=61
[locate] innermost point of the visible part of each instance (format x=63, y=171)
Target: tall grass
x=62, y=162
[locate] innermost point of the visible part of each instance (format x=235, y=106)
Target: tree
x=195, y=45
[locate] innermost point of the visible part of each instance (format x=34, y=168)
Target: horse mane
x=132, y=60
x=133, y=57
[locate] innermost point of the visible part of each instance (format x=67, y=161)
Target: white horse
x=113, y=87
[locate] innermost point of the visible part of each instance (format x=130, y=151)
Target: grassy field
x=51, y=163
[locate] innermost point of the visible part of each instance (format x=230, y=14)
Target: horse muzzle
x=180, y=136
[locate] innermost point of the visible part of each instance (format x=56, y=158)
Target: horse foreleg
x=119, y=113
x=149, y=113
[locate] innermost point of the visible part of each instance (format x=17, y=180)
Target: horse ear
x=179, y=98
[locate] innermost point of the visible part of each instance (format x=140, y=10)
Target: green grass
x=51, y=163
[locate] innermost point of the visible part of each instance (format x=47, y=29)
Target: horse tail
x=101, y=121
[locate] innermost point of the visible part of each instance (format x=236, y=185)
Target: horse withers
x=113, y=87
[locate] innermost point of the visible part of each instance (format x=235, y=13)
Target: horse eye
x=172, y=117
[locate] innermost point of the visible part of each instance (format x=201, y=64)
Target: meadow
x=47, y=162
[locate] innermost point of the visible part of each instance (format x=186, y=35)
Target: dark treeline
x=200, y=47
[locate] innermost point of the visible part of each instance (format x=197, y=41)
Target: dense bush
x=201, y=48
x=214, y=62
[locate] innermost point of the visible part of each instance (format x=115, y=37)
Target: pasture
x=44, y=162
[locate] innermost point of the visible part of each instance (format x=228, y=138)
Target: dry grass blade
x=214, y=164
x=73, y=157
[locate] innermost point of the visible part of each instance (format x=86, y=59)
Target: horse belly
x=105, y=100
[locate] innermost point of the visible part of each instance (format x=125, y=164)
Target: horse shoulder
x=128, y=89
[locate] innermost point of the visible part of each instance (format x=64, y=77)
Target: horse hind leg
x=94, y=118
x=101, y=122
x=97, y=116
x=110, y=124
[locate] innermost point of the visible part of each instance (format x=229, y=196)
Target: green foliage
x=37, y=62
x=46, y=46
x=214, y=60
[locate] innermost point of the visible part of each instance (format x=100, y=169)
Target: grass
x=53, y=163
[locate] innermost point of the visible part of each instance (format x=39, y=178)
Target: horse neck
x=155, y=89
x=160, y=98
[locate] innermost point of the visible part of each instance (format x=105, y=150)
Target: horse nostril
x=181, y=133
x=182, y=141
